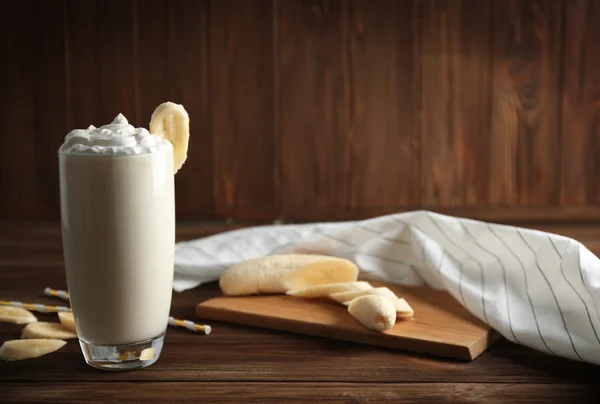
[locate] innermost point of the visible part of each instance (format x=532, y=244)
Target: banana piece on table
x=172, y=122
x=374, y=312
x=263, y=275
x=321, y=273
x=328, y=289
x=67, y=319
x=44, y=330
x=16, y=315
x=19, y=349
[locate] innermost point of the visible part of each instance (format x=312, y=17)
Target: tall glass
x=118, y=229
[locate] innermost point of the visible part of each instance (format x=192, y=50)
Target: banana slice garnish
x=172, y=122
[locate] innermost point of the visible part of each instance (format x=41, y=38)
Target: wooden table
x=241, y=364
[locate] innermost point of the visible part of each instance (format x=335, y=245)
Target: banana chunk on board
x=265, y=275
x=375, y=312
x=403, y=309
x=320, y=273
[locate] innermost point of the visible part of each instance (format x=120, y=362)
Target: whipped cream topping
x=118, y=137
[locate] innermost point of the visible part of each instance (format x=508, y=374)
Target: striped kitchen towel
x=537, y=289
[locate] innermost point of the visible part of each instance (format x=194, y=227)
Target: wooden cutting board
x=441, y=326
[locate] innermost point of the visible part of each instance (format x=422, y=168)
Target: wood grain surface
x=493, y=393
x=317, y=110
x=456, y=96
x=580, y=166
x=527, y=50
x=315, y=103
x=99, y=38
x=171, y=64
x=33, y=99
x=441, y=326
x=384, y=106
x=241, y=88
x=246, y=364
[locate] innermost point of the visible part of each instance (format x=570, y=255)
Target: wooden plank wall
x=318, y=110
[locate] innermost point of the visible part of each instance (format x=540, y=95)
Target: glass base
x=123, y=357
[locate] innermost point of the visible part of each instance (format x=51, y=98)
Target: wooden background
x=314, y=110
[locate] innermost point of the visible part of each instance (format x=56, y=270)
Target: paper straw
x=173, y=322
x=190, y=325
x=42, y=308
x=61, y=294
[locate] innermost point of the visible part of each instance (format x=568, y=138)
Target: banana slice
x=263, y=275
x=67, y=320
x=172, y=122
x=374, y=312
x=19, y=349
x=343, y=297
x=403, y=309
x=16, y=315
x=46, y=330
x=320, y=273
x=329, y=289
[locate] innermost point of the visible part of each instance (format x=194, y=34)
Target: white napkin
x=537, y=289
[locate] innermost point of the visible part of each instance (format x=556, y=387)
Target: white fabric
x=537, y=289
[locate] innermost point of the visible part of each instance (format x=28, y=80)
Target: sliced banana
x=16, y=315
x=328, y=289
x=374, y=312
x=403, y=309
x=44, y=330
x=172, y=122
x=67, y=320
x=344, y=297
x=321, y=273
x=19, y=349
x=263, y=275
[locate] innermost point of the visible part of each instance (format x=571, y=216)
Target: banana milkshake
x=118, y=228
